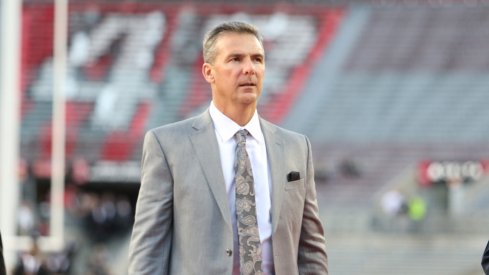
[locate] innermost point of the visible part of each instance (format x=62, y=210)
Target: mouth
x=247, y=84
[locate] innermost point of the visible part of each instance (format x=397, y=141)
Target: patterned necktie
x=248, y=235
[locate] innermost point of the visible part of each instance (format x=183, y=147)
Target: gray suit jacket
x=183, y=221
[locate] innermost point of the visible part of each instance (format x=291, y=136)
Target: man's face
x=236, y=75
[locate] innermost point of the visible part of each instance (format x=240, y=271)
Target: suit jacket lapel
x=276, y=155
x=206, y=149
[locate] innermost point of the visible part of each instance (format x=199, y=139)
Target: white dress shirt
x=225, y=129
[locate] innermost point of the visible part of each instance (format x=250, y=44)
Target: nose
x=249, y=67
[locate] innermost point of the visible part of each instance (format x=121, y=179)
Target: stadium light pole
x=9, y=125
x=56, y=224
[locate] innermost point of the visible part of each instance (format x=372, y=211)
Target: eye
x=258, y=59
x=235, y=59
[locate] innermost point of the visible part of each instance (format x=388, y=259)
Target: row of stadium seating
x=355, y=75
x=411, y=75
x=135, y=67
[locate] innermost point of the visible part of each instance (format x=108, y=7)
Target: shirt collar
x=226, y=127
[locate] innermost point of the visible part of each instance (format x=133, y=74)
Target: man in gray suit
x=186, y=215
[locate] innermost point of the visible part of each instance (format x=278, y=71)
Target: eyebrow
x=243, y=54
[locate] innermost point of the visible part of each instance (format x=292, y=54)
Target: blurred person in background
x=26, y=219
x=97, y=262
x=31, y=262
x=2, y=262
x=485, y=260
x=194, y=195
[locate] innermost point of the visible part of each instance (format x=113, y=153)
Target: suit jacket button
x=229, y=252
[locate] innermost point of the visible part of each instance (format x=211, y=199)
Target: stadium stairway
x=302, y=116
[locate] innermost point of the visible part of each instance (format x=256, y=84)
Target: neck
x=241, y=115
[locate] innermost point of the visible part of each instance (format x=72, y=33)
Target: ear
x=207, y=72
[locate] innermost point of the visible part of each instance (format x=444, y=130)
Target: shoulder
x=276, y=132
x=287, y=138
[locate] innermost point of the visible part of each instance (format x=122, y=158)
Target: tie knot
x=241, y=136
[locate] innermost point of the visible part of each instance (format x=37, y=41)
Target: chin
x=249, y=99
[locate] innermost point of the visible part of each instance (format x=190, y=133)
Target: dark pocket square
x=293, y=176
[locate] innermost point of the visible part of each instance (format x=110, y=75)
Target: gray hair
x=208, y=45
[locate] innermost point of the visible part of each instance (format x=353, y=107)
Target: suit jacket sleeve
x=149, y=250
x=312, y=257
x=485, y=260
